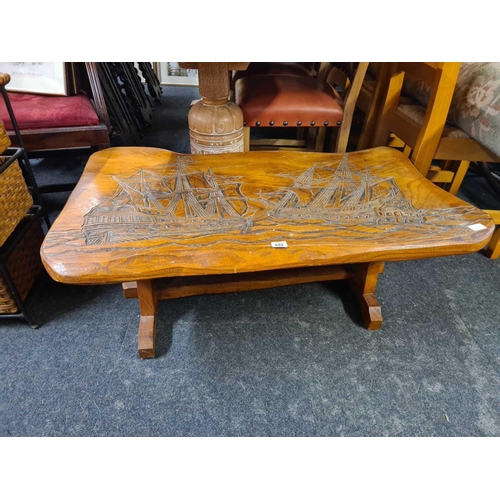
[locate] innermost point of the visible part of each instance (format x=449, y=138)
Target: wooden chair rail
x=39, y=140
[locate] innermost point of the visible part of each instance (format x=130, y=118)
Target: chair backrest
x=348, y=78
x=97, y=95
x=435, y=80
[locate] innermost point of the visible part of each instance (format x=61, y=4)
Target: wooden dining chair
x=49, y=123
x=300, y=101
x=370, y=101
x=438, y=148
x=423, y=128
x=275, y=68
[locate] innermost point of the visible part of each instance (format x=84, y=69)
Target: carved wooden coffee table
x=168, y=225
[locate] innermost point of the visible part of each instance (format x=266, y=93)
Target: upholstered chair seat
x=38, y=112
x=287, y=100
x=308, y=103
x=275, y=68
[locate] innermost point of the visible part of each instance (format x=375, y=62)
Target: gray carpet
x=292, y=361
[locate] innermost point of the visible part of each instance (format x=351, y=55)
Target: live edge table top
x=145, y=213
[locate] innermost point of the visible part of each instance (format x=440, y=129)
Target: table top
x=145, y=213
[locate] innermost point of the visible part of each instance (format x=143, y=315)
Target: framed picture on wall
x=36, y=77
x=170, y=73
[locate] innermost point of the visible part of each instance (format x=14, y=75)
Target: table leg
x=364, y=285
x=148, y=305
x=493, y=250
x=215, y=123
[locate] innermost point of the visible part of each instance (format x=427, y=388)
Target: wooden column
x=215, y=123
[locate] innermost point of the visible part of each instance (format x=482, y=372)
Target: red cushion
x=296, y=100
x=37, y=111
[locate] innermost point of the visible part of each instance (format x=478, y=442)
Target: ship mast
x=183, y=191
x=341, y=182
x=364, y=193
x=302, y=181
x=142, y=195
x=218, y=202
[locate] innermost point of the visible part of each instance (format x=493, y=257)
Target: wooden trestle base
x=362, y=279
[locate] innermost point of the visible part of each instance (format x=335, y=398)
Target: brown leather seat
x=302, y=102
x=284, y=100
x=275, y=68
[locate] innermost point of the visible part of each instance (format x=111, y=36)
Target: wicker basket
x=15, y=199
x=24, y=265
x=4, y=138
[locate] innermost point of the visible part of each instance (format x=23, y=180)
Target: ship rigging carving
x=184, y=204
x=323, y=194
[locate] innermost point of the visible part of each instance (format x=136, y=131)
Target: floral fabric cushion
x=475, y=107
x=417, y=113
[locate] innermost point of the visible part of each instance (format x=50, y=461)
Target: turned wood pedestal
x=168, y=225
x=215, y=123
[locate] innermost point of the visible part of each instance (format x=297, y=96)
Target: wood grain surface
x=146, y=213
x=4, y=138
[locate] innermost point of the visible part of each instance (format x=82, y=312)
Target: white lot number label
x=279, y=244
x=477, y=227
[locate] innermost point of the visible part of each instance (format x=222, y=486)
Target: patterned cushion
x=475, y=107
x=417, y=113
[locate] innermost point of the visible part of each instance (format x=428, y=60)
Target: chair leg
x=246, y=139
x=341, y=141
x=493, y=250
x=376, y=103
x=311, y=135
x=459, y=177
x=320, y=140
x=391, y=102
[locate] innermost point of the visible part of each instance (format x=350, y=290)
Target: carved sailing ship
x=182, y=204
x=344, y=196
